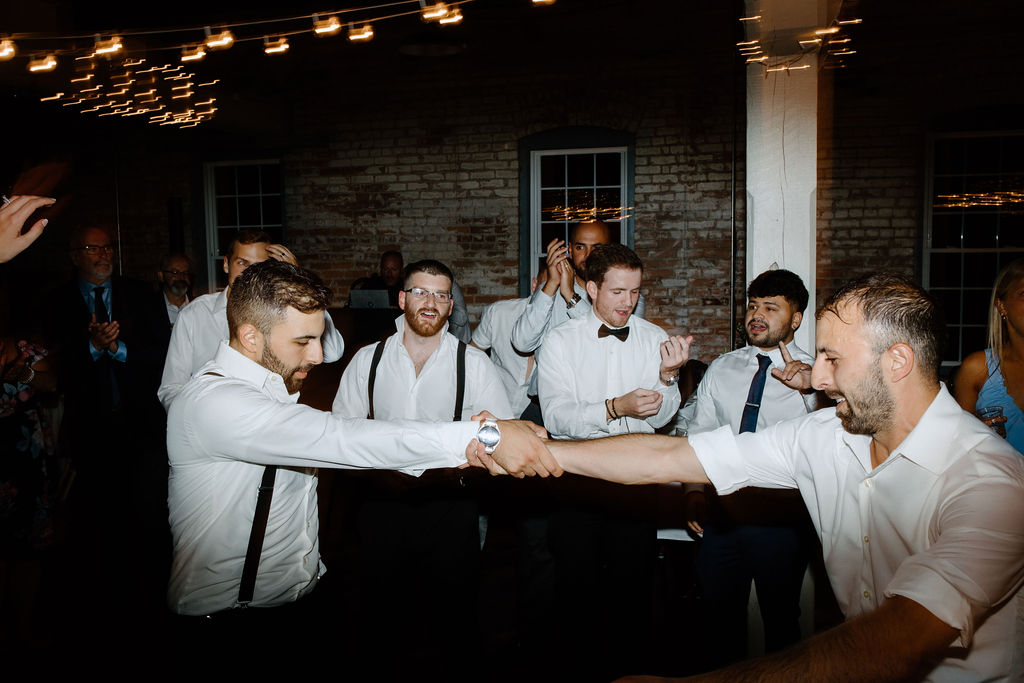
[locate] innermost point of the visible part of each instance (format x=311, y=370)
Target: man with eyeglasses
x=106, y=336
x=175, y=278
x=423, y=529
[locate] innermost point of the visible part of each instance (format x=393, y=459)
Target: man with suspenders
x=420, y=529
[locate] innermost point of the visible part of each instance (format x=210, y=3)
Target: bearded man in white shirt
x=917, y=503
x=427, y=526
x=755, y=534
x=238, y=417
x=607, y=373
x=203, y=324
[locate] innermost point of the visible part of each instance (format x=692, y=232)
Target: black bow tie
x=620, y=333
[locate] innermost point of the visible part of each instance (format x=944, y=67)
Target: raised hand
x=279, y=252
x=675, y=351
x=13, y=215
x=639, y=404
x=796, y=374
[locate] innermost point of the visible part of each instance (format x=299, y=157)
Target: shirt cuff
x=452, y=439
x=121, y=355
x=719, y=454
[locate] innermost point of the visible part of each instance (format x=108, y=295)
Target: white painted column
x=782, y=167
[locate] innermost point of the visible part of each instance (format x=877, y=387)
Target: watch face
x=489, y=436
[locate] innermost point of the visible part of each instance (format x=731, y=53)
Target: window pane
x=1011, y=230
x=226, y=212
x=609, y=169
x=616, y=230
x=949, y=299
x=976, y=305
x=248, y=179
x=952, y=353
x=550, y=231
x=552, y=171
x=980, y=269
x=224, y=238
x=249, y=212
x=609, y=204
x=581, y=205
x=270, y=179
x=945, y=271
x=272, y=210
x=980, y=230
x=552, y=205
x=983, y=155
x=580, y=170
x=224, y=180
x=946, y=229
x=1013, y=153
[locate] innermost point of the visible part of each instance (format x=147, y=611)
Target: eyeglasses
x=176, y=273
x=96, y=248
x=421, y=294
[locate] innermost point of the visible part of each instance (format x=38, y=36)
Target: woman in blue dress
x=995, y=376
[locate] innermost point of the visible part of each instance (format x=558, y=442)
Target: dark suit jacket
x=82, y=380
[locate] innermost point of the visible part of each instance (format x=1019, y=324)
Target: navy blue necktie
x=99, y=307
x=748, y=423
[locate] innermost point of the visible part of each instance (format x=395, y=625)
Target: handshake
x=518, y=447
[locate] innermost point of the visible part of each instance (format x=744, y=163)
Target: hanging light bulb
x=107, y=47
x=433, y=12
x=453, y=17
x=193, y=53
x=219, y=41
x=277, y=46
x=7, y=49
x=361, y=34
x=326, y=27
x=43, y=64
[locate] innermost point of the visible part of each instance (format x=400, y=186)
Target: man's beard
x=178, y=288
x=271, y=362
x=767, y=339
x=423, y=327
x=875, y=405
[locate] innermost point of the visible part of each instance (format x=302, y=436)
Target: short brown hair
x=604, y=257
x=247, y=236
x=264, y=291
x=895, y=309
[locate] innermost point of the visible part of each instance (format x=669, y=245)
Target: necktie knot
x=748, y=421
x=619, y=333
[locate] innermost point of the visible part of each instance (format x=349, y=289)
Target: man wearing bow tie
x=606, y=373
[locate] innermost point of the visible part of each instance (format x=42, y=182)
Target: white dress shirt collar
x=238, y=366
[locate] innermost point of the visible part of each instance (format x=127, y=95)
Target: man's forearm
x=899, y=641
x=631, y=459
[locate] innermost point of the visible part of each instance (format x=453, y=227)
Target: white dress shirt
x=173, y=309
x=400, y=394
x=939, y=522
x=202, y=325
x=221, y=431
x=578, y=371
x=722, y=393
x=495, y=333
x=544, y=313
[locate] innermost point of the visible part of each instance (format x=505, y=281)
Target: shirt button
x=867, y=483
x=867, y=595
x=866, y=539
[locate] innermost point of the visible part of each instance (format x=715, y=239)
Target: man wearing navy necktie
x=105, y=333
x=608, y=372
x=756, y=533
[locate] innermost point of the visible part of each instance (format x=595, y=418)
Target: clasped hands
x=522, y=451
x=103, y=336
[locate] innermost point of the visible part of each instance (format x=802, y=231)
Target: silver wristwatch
x=489, y=435
x=576, y=298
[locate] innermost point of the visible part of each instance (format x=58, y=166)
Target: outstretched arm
x=631, y=459
x=899, y=641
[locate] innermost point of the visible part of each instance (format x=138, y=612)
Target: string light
x=326, y=27
x=221, y=41
x=453, y=17
x=363, y=33
x=434, y=12
x=7, y=49
x=107, y=47
x=276, y=46
x=543, y=2
x=193, y=54
x=43, y=64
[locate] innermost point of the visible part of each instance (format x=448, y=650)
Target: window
x=974, y=225
x=568, y=176
x=240, y=195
